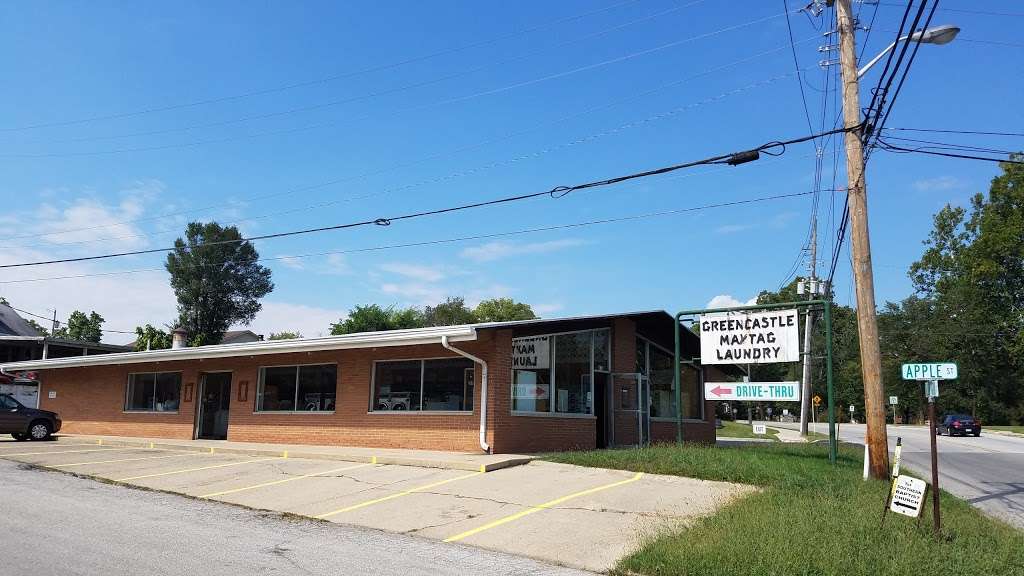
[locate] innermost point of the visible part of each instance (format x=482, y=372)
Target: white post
x=867, y=459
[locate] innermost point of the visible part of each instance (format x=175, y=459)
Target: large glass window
x=309, y=388
x=439, y=385
x=656, y=363
x=555, y=373
x=153, y=392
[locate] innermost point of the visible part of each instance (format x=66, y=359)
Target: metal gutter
x=411, y=337
x=483, y=390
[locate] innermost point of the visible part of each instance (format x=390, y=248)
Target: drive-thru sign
x=753, y=391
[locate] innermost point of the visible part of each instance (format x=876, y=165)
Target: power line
x=58, y=322
x=796, y=65
x=488, y=236
x=950, y=131
x=960, y=10
x=322, y=80
x=454, y=100
x=893, y=148
x=773, y=148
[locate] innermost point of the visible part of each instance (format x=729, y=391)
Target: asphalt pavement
x=987, y=471
x=58, y=524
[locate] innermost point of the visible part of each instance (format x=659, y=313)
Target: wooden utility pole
x=812, y=284
x=867, y=321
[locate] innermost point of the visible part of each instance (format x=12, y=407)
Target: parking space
x=581, y=517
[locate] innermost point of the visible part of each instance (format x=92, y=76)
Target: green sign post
x=806, y=304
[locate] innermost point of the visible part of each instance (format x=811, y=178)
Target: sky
x=122, y=122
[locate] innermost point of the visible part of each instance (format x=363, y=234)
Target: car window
x=7, y=402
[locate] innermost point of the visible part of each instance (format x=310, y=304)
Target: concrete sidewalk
x=400, y=457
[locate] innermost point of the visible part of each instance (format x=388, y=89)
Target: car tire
x=977, y=434
x=39, y=430
x=20, y=437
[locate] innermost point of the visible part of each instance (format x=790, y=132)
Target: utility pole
x=867, y=321
x=53, y=326
x=805, y=382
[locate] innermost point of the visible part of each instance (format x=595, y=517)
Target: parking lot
x=573, y=516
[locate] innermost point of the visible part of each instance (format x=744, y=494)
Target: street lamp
x=938, y=35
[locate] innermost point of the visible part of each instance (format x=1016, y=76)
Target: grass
x=811, y=518
x=731, y=429
x=1014, y=429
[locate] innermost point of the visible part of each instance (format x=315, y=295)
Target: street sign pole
x=936, y=520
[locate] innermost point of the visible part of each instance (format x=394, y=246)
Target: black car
x=26, y=423
x=962, y=424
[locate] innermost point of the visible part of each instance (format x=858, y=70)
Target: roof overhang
x=411, y=337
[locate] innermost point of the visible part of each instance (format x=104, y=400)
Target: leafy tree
x=285, y=335
x=81, y=327
x=451, y=312
x=373, y=318
x=503, y=310
x=149, y=338
x=217, y=280
x=39, y=327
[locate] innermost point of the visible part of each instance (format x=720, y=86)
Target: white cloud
x=310, y=321
x=292, y=262
x=337, y=264
x=497, y=250
x=733, y=228
x=727, y=301
x=416, y=293
x=939, y=183
x=547, y=309
x=414, y=271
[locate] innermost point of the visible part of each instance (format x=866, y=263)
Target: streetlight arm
x=863, y=70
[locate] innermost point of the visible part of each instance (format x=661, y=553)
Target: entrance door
x=629, y=398
x=214, y=399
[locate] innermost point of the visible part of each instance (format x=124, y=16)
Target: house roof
x=12, y=324
x=413, y=336
x=236, y=336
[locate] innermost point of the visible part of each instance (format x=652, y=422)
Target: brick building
x=529, y=386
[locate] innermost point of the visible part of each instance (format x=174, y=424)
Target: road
x=58, y=524
x=987, y=471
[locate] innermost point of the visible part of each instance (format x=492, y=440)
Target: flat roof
x=407, y=337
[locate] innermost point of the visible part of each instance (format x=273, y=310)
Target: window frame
x=128, y=385
x=647, y=373
x=260, y=381
x=551, y=412
x=371, y=408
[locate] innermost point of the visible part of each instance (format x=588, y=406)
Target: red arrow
x=718, y=390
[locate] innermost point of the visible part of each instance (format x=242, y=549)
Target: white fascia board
x=412, y=337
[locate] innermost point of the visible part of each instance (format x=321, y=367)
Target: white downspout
x=483, y=391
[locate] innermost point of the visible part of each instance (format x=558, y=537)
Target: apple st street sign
x=753, y=391
x=930, y=371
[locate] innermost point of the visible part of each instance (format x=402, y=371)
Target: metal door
x=630, y=415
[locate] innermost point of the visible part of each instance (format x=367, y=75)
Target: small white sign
x=749, y=337
x=785, y=411
x=531, y=353
x=51, y=394
x=930, y=371
x=852, y=408
x=931, y=388
x=893, y=400
x=760, y=429
x=907, y=496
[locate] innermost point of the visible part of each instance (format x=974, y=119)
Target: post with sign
x=930, y=374
x=758, y=334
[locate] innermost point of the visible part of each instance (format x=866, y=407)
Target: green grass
x=732, y=429
x=811, y=518
x=1015, y=429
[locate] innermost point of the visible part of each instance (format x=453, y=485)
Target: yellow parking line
x=63, y=452
x=393, y=496
x=124, y=460
x=193, y=469
x=276, y=482
x=540, y=507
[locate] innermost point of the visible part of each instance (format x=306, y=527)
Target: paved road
x=58, y=524
x=987, y=471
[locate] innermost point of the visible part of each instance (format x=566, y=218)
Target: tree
x=503, y=310
x=39, y=327
x=149, y=338
x=81, y=327
x=217, y=280
x=373, y=318
x=285, y=335
x=451, y=312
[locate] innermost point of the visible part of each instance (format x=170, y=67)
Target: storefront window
x=554, y=373
x=153, y=392
x=693, y=398
x=656, y=363
x=309, y=388
x=440, y=385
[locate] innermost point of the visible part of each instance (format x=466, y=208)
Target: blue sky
x=100, y=151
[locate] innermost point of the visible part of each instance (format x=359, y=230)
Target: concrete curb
x=501, y=462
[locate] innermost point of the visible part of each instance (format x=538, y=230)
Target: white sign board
x=749, y=337
x=52, y=394
x=531, y=353
x=893, y=400
x=930, y=371
x=753, y=391
x=907, y=496
x=760, y=429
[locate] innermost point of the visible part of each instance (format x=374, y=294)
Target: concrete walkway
x=400, y=457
